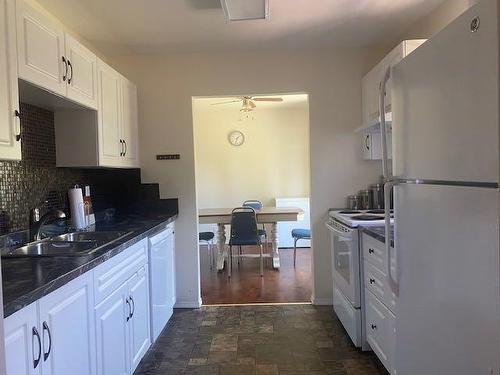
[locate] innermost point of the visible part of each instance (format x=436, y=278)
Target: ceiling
x=290, y=101
x=165, y=26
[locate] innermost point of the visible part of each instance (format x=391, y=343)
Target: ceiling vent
x=244, y=10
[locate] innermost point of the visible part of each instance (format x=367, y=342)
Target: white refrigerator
x=445, y=129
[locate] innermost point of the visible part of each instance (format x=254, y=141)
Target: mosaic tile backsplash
x=35, y=180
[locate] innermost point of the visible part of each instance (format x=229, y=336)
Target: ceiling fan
x=248, y=102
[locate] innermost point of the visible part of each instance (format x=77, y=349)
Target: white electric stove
x=344, y=226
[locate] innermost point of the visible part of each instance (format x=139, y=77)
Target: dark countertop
x=378, y=233
x=26, y=280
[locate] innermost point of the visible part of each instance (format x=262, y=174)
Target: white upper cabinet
x=52, y=59
x=111, y=147
x=371, y=81
x=40, y=44
x=10, y=127
x=82, y=73
x=130, y=135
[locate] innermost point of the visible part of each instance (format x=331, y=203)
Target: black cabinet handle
x=125, y=143
x=37, y=335
x=133, y=307
x=46, y=328
x=374, y=326
x=129, y=310
x=18, y=115
x=372, y=281
x=366, y=141
x=371, y=251
x=66, y=68
x=71, y=71
x=121, y=147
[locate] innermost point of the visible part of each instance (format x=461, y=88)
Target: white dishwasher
x=161, y=278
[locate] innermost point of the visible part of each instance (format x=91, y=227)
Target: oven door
x=345, y=261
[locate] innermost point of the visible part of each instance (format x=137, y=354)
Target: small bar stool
x=299, y=234
x=208, y=238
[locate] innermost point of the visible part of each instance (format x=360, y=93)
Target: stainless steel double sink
x=69, y=244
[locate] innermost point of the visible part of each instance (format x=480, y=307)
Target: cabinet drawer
x=376, y=282
x=380, y=330
x=374, y=252
x=110, y=275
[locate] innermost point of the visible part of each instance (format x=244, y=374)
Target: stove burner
x=349, y=212
x=375, y=212
x=366, y=217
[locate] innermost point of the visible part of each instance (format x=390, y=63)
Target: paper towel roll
x=76, y=206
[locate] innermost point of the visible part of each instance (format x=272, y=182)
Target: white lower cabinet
x=380, y=330
x=23, y=345
x=67, y=329
x=55, y=335
x=112, y=316
x=122, y=311
x=140, y=338
x=380, y=302
x=98, y=323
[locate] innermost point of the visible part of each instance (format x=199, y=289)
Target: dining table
x=266, y=215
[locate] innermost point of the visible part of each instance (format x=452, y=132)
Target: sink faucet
x=36, y=221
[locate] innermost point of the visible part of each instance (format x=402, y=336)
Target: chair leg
x=294, y=251
x=239, y=253
x=261, y=262
x=230, y=261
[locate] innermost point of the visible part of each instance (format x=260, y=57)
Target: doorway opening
x=254, y=147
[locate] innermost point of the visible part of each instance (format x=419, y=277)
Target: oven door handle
x=339, y=232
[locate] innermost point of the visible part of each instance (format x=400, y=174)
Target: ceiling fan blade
x=268, y=99
x=227, y=102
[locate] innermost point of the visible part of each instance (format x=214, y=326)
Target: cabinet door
x=23, y=350
x=110, y=147
x=68, y=331
x=130, y=134
x=380, y=330
x=10, y=146
x=112, y=333
x=140, y=339
x=82, y=73
x=40, y=45
x=171, y=270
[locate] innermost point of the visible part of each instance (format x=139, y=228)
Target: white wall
x=332, y=79
x=273, y=162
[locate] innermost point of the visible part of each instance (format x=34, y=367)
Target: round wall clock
x=236, y=138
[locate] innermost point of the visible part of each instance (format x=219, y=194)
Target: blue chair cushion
x=206, y=236
x=301, y=233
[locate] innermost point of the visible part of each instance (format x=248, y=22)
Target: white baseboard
x=188, y=304
x=322, y=301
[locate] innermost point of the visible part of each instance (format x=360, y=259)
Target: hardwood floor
x=289, y=284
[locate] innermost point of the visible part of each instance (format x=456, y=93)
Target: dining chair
x=299, y=234
x=244, y=233
x=257, y=206
x=208, y=238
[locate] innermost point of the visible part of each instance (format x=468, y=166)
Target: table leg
x=221, y=246
x=274, y=242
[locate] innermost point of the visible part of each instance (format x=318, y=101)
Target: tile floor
x=265, y=339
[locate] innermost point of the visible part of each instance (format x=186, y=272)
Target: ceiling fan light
x=244, y=10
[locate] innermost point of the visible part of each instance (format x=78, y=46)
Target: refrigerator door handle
x=395, y=181
x=393, y=283
x=383, y=127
